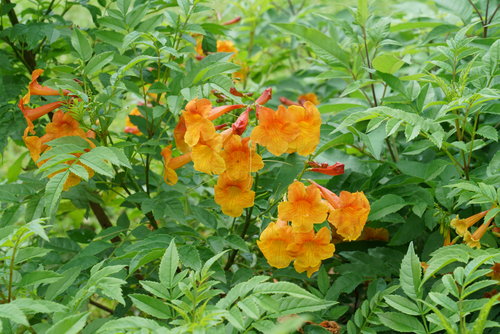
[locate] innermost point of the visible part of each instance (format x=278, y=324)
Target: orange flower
x=207, y=156
x=311, y=97
x=34, y=88
x=370, y=233
x=308, y=119
x=131, y=127
x=171, y=164
x=273, y=243
x=227, y=46
x=275, y=130
x=309, y=249
x=234, y=196
x=348, y=213
x=462, y=225
x=63, y=125
x=495, y=272
x=304, y=207
x=196, y=121
x=474, y=240
x=240, y=159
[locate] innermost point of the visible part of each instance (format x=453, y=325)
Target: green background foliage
x=409, y=94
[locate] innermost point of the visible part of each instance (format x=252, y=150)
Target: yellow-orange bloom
x=226, y=46
x=348, y=212
x=309, y=249
x=275, y=130
x=304, y=207
x=240, y=158
x=462, y=225
x=234, y=196
x=197, y=123
x=273, y=243
x=131, y=127
x=207, y=156
x=370, y=233
x=311, y=97
x=34, y=88
x=474, y=240
x=171, y=164
x=308, y=119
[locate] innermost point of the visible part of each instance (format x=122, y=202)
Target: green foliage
x=92, y=239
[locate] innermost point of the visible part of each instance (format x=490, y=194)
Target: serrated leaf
x=13, y=313
x=401, y=322
x=168, y=265
x=72, y=324
x=81, y=44
x=151, y=306
x=410, y=274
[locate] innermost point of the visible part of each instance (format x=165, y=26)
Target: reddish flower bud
x=235, y=92
x=241, y=123
x=265, y=96
x=335, y=169
x=288, y=102
x=221, y=126
x=233, y=21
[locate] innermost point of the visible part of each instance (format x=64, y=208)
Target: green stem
x=11, y=268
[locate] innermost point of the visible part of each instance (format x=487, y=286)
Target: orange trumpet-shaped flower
x=171, y=164
x=196, y=122
x=234, y=196
x=308, y=119
x=462, y=225
x=474, y=240
x=131, y=127
x=275, y=130
x=304, y=207
x=34, y=88
x=240, y=158
x=309, y=249
x=311, y=97
x=226, y=46
x=35, y=113
x=349, y=214
x=207, y=156
x=63, y=125
x=273, y=243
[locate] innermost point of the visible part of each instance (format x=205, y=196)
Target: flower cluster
x=462, y=226
x=281, y=242
x=61, y=125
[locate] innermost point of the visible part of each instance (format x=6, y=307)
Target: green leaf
x=168, y=265
x=401, y=322
x=62, y=284
x=132, y=324
x=480, y=322
x=97, y=62
x=13, y=313
x=72, y=324
x=387, y=63
x=32, y=306
x=410, y=274
x=81, y=44
x=402, y=304
x=424, y=170
x=151, y=306
x=39, y=277
x=283, y=288
x=385, y=205
x=362, y=12
x=323, y=45
x=53, y=191
x=488, y=132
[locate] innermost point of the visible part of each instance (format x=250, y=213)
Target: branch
x=102, y=218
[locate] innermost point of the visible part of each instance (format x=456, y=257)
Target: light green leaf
x=97, y=62
x=81, y=44
x=401, y=322
x=168, y=265
x=410, y=274
x=72, y=324
x=387, y=63
x=385, y=205
x=13, y=313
